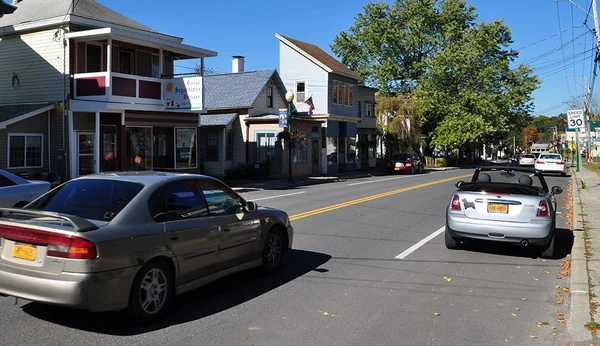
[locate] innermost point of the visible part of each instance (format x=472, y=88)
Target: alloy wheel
x=274, y=250
x=153, y=291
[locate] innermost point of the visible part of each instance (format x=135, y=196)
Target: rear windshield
x=94, y=199
x=551, y=156
x=400, y=157
x=528, y=156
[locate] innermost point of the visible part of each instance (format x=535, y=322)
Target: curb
x=579, y=312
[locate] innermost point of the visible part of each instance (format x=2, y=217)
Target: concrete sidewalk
x=585, y=267
x=285, y=183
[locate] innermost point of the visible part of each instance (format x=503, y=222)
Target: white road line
x=421, y=243
x=376, y=181
x=287, y=194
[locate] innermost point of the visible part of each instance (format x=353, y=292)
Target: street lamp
x=289, y=96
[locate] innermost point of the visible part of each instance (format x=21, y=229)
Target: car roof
x=144, y=177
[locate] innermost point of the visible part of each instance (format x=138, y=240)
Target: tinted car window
x=183, y=201
x=4, y=181
x=550, y=156
x=401, y=157
x=95, y=199
x=221, y=199
x=528, y=156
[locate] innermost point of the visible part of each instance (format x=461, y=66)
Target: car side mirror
x=459, y=183
x=251, y=207
x=557, y=190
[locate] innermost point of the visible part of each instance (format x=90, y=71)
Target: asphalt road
x=368, y=268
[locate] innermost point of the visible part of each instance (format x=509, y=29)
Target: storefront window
x=350, y=150
x=300, y=152
x=332, y=150
x=139, y=148
x=186, y=147
x=265, y=145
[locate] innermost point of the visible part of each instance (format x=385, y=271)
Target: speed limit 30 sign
x=575, y=119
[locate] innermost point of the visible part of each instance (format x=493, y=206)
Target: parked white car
x=551, y=163
x=18, y=192
x=527, y=160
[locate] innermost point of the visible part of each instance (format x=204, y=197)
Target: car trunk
x=43, y=243
x=511, y=203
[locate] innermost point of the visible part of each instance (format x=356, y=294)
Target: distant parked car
x=406, y=163
x=135, y=240
x=527, y=160
x=552, y=163
x=515, y=158
x=504, y=204
x=17, y=192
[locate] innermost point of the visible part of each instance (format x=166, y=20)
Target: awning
x=217, y=119
x=10, y=114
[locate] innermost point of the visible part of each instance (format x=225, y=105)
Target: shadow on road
x=214, y=298
x=564, y=241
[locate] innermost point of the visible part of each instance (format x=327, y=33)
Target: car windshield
x=400, y=157
x=94, y=199
x=528, y=156
x=551, y=156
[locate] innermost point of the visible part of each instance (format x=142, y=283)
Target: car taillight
x=455, y=205
x=543, y=209
x=540, y=162
x=58, y=245
x=560, y=163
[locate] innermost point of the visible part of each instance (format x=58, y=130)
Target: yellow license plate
x=497, y=208
x=397, y=168
x=24, y=251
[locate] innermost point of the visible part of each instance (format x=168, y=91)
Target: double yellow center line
x=370, y=198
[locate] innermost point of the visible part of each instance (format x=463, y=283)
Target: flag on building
x=310, y=104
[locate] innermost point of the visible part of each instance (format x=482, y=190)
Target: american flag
x=310, y=104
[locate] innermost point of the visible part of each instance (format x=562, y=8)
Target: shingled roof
x=319, y=55
x=36, y=10
x=12, y=113
x=237, y=90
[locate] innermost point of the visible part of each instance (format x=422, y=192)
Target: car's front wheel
x=273, y=251
x=152, y=293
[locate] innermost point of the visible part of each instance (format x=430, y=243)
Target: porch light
x=289, y=96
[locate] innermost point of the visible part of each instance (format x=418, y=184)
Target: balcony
x=118, y=87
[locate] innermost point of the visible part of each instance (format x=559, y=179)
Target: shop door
x=85, y=153
x=316, y=150
x=108, y=148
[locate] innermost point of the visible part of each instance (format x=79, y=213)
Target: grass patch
x=594, y=168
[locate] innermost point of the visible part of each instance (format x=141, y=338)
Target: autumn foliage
x=531, y=135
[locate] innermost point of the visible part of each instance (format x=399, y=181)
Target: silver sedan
x=505, y=204
x=134, y=241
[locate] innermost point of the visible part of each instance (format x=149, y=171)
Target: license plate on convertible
x=497, y=208
x=24, y=251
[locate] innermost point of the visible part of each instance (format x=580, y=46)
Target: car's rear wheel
x=549, y=250
x=451, y=242
x=152, y=293
x=273, y=251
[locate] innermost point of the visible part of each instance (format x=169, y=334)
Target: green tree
x=398, y=122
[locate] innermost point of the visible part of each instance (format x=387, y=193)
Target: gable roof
x=10, y=114
x=217, y=119
x=37, y=10
x=237, y=90
x=319, y=56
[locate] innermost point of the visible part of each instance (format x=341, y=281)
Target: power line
x=562, y=50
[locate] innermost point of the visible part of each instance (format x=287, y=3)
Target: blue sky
x=242, y=27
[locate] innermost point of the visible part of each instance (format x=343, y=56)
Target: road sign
x=575, y=119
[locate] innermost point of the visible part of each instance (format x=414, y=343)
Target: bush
x=440, y=162
x=429, y=161
x=239, y=172
x=54, y=184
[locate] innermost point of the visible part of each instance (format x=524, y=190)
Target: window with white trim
x=343, y=93
x=369, y=110
x=25, y=150
x=300, y=91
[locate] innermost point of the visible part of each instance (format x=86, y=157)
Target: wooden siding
x=56, y=139
x=293, y=66
x=239, y=144
x=214, y=168
x=366, y=95
x=353, y=110
x=260, y=104
x=34, y=125
x=38, y=60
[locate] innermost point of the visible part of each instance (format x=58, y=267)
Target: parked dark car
x=406, y=163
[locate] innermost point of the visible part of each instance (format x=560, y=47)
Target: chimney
x=237, y=64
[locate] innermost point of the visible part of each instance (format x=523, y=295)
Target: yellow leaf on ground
x=517, y=309
x=436, y=314
x=326, y=313
x=547, y=272
x=533, y=336
x=518, y=267
x=554, y=334
x=523, y=299
x=513, y=315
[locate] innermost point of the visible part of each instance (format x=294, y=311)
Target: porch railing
x=118, y=87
